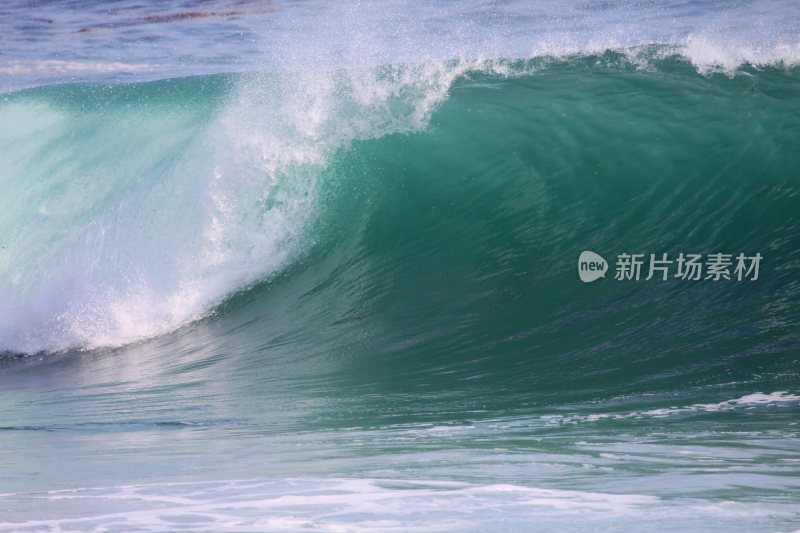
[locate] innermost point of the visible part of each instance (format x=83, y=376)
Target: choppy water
x=308, y=266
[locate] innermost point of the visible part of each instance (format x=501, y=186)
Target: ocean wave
x=132, y=210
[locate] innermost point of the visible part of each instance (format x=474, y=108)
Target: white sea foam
x=333, y=505
x=710, y=54
x=322, y=505
x=757, y=399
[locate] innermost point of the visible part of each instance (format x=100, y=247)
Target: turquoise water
x=345, y=298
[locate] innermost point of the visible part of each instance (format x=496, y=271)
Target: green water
x=384, y=303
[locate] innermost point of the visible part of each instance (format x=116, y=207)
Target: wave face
x=360, y=283
x=133, y=210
